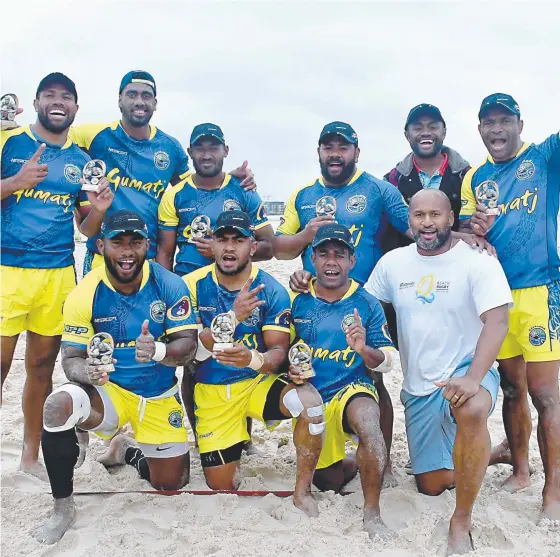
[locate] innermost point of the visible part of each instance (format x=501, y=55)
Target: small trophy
x=200, y=227
x=326, y=206
x=487, y=194
x=93, y=171
x=8, y=107
x=223, y=330
x=100, y=352
x=300, y=356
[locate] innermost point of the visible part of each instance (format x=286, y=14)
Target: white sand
x=226, y=526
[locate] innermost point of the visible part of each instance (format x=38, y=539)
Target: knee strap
x=81, y=407
x=293, y=403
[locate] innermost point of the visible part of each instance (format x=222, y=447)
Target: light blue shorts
x=430, y=426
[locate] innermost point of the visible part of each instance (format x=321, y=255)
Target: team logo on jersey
x=161, y=160
x=261, y=212
x=180, y=310
x=282, y=221
x=74, y=330
x=356, y=204
x=253, y=319
x=72, y=173
x=347, y=322
x=175, y=419
x=526, y=170
x=157, y=311
x=385, y=331
x=284, y=318
x=231, y=205
x=537, y=336
x=424, y=289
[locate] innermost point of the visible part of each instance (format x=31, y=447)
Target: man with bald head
x=452, y=305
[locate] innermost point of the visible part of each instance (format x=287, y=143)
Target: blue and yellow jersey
x=183, y=202
x=320, y=324
x=210, y=298
x=139, y=170
x=364, y=205
x=94, y=306
x=37, y=223
x=524, y=233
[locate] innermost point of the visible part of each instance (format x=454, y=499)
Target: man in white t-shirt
x=452, y=304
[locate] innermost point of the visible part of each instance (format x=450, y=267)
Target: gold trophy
x=223, y=330
x=300, y=356
x=93, y=172
x=100, y=352
x=326, y=206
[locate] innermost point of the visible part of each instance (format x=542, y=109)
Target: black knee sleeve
x=135, y=457
x=60, y=451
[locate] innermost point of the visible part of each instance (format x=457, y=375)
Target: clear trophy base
x=91, y=187
x=222, y=345
x=307, y=373
x=492, y=212
x=107, y=368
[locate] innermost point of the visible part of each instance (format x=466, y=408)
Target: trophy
x=200, y=227
x=222, y=329
x=9, y=106
x=487, y=194
x=100, y=352
x=300, y=356
x=93, y=171
x=326, y=206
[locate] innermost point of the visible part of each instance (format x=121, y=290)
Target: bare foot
x=374, y=526
x=83, y=442
x=459, y=541
x=63, y=518
x=389, y=479
x=35, y=468
x=551, y=510
x=251, y=449
x=114, y=455
x=516, y=483
x=307, y=504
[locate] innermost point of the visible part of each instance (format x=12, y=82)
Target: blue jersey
x=320, y=324
x=183, y=202
x=138, y=170
x=363, y=205
x=210, y=298
x=94, y=307
x=37, y=223
x=524, y=233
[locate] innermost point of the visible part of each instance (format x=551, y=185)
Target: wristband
x=257, y=360
x=161, y=350
x=387, y=363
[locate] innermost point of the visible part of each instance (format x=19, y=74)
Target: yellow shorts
x=221, y=411
x=32, y=299
x=155, y=421
x=334, y=442
x=534, y=324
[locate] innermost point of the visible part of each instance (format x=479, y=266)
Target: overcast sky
x=271, y=74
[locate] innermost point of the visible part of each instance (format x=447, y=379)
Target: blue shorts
x=430, y=426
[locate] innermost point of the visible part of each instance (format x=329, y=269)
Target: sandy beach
x=135, y=524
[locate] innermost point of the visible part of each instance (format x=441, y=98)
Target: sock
x=60, y=452
x=135, y=457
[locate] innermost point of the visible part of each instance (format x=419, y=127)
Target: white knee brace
x=81, y=407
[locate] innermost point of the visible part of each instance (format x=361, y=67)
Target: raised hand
x=299, y=281
x=101, y=200
x=145, y=344
x=245, y=174
x=247, y=300
x=356, y=334
x=32, y=173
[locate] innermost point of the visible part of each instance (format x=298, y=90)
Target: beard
x=436, y=149
x=345, y=174
x=233, y=272
x=442, y=236
x=43, y=118
x=116, y=272
x=207, y=173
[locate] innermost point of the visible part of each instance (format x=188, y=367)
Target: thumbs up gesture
x=32, y=173
x=145, y=344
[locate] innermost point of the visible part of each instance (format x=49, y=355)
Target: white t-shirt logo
x=424, y=289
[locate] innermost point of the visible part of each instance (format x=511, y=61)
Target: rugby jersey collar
x=153, y=131
x=145, y=276
x=253, y=274
x=357, y=174
x=524, y=147
x=353, y=287
x=227, y=178
x=39, y=139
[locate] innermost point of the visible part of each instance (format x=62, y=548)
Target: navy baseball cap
x=238, y=220
x=499, y=99
x=207, y=130
x=138, y=76
x=423, y=110
x=57, y=78
x=333, y=233
x=343, y=129
x=124, y=221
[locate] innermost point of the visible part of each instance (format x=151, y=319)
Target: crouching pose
x=243, y=307
x=346, y=330
x=146, y=311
